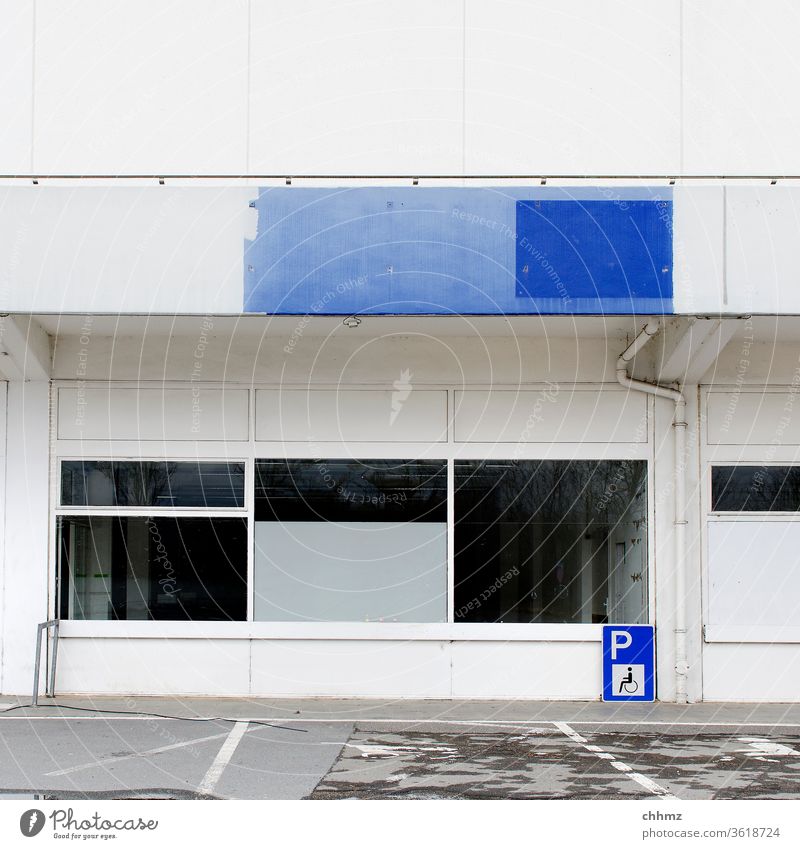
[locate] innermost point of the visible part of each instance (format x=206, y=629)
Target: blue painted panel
x=408, y=250
x=593, y=249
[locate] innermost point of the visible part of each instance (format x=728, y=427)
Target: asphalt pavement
x=339, y=748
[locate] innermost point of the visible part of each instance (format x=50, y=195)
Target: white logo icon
x=402, y=389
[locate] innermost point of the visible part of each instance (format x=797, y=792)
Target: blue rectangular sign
x=595, y=250
x=517, y=250
x=629, y=663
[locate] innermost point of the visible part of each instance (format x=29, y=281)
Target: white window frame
x=757, y=455
x=247, y=452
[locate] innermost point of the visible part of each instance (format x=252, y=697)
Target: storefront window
x=348, y=540
x=774, y=489
x=550, y=541
x=153, y=567
x=137, y=483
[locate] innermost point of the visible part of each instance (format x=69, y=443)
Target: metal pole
x=52, y=692
x=35, y=699
x=50, y=686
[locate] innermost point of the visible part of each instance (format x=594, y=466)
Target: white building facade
x=332, y=368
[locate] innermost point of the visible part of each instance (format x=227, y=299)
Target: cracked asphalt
x=543, y=763
x=330, y=757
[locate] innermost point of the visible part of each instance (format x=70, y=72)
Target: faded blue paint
x=484, y=251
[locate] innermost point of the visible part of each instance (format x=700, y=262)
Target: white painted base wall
x=339, y=668
x=752, y=672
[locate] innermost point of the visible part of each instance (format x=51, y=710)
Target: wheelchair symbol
x=627, y=684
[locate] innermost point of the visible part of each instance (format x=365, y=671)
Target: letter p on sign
x=619, y=640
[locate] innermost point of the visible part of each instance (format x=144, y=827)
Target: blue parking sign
x=629, y=663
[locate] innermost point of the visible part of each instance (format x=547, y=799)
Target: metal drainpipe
x=679, y=430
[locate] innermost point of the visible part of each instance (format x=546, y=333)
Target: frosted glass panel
x=351, y=571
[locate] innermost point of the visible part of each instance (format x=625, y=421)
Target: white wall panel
x=27, y=530
x=526, y=670
x=364, y=88
x=351, y=415
x=550, y=415
x=763, y=275
x=157, y=666
x=698, y=249
x=741, y=70
x=340, y=667
x=751, y=673
x=753, y=575
x=141, y=88
x=550, y=86
x=153, y=414
x=3, y=499
x=572, y=87
x=394, y=670
x=753, y=418
x=124, y=249
x=351, y=668
x=16, y=86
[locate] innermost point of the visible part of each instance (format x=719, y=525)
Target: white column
x=662, y=569
x=27, y=530
x=3, y=396
x=694, y=609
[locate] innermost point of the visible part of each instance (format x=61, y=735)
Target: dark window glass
x=351, y=490
x=156, y=567
x=133, y=483
x=755, y=488
x=350, y=541
x=550, y=541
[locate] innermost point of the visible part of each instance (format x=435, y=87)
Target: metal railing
x=51, y=678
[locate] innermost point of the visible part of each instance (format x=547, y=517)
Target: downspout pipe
x=679, y=536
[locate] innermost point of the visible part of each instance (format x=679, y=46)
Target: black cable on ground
x=157, y=715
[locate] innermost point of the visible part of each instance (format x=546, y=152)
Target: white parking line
x=117, y=758
x=222, y=759
x=643, y=780
x=762, y=746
